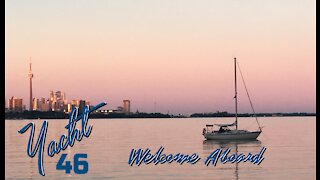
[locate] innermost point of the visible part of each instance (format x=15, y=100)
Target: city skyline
x=175, y=54
x=126, y=106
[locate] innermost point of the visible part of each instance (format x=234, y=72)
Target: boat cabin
x=222, y=128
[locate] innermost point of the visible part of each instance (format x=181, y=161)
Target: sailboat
x=224, y=132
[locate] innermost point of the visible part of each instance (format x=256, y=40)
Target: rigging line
x=248, y=96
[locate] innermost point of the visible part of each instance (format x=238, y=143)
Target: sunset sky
x=177, y=53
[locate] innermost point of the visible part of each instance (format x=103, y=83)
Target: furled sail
x=225, y=125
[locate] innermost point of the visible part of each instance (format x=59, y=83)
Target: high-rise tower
x=126, y=106
x=30, y=75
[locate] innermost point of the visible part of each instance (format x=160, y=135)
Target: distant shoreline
x=62, y=115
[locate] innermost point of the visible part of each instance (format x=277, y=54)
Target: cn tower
x=30, y=77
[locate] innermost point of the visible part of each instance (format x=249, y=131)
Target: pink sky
x=176, y=53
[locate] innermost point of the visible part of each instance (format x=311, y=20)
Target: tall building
x=36, y=104
x=82, y=103
x=44, y=104
x=74, y=103
x=15, y=104
x=57, y=101
x=69, y=107
x=30, y=75
x=47, y=106
x=126, y=106
x=10, y=104
x=51, y=96
x=18, y=105
x=58, y=95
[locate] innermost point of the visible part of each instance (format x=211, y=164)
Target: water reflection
x=246, y=146
x=214, y=144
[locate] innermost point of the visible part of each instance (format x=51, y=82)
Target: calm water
x=290, y=154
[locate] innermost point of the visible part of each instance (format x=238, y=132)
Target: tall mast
x=235, y=85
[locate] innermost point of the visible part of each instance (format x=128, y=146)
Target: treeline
x=226, y=114
x=62, y=115
x=135, y=115
x=36, y=115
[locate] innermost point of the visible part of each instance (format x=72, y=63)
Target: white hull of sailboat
x=232, y=135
